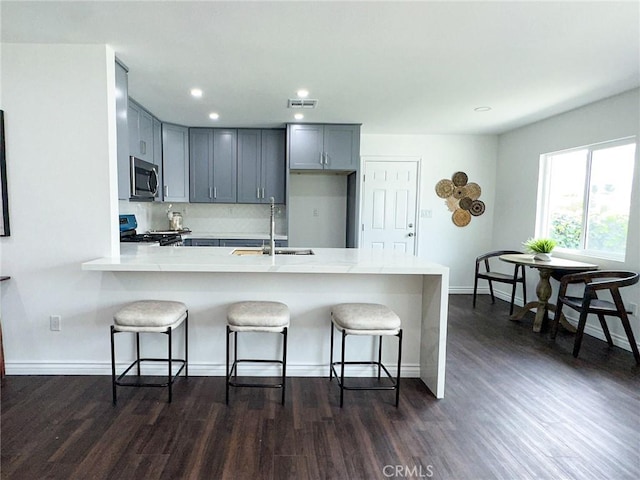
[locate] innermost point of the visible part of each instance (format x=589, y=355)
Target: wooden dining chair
x=597, y=281
x=487, y=274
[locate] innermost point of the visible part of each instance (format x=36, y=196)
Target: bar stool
x=365, y=319
x=256, y=316
x=150, y=316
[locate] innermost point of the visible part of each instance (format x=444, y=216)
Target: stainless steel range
x=128, y=225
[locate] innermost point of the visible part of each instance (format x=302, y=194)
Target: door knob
x=410, y=234
x=410, y=225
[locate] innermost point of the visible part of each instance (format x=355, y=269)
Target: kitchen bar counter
x=137, y=257
x=237, y=235
x=209, y=279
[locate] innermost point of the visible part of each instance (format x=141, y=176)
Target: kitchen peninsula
x=207, y=279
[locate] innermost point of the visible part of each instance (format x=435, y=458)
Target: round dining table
x=546, y=269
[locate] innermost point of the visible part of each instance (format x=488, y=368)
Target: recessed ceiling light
x=482, y=109
x=302, y=93
x=196, y=92
x=298, y=116
x=214, y=116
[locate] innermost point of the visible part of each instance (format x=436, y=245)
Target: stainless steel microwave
x=144, y=180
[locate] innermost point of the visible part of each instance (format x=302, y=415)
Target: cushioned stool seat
x=256, y=316
x=150, y=316
x=365, y=319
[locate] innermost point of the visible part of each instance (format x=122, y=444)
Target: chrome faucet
x=272, y=228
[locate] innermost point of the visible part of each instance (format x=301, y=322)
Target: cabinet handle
x=210, y=193
x=166, y=190
x=326, y=158
x=258, y=192
x=263, y=192
x=321, y=158
x=215, y=192
x=143, y=147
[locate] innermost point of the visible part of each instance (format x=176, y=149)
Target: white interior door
x=389, y=209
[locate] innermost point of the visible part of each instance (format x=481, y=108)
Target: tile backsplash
x=207, y=218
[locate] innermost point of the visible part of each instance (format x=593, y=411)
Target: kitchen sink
x=279, y=251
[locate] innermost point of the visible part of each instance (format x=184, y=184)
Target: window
x=585, y=196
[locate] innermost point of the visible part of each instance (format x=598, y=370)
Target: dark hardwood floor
x=517, y=406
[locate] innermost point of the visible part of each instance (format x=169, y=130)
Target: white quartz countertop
x=232, y=235
x=152, y=258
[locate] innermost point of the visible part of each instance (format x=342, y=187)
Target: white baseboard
x=195, y=369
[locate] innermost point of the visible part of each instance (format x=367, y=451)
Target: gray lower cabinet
x=323, y=147
x=212, y=165
x=201, y=242
x=175, y=162
x=122, y=132
x=261, y=166
x=249, y=242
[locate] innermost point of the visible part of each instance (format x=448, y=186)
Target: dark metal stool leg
x=227, y=371
x=284, y=363
x=138, y=351
x=186, y=346
x=113, y=366
x=169, y=379
x=331, y=355
x=344, y=337
x=399, y=363
x=235, y=355
x=379, y=355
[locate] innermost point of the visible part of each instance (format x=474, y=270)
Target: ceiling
x=395, y=67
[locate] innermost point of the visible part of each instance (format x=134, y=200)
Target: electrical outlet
x=55, y=323
x=425, y=213
x=633, y=308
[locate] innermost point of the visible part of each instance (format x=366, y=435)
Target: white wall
x=517, y=178
x=60, y=144
x=438, y=238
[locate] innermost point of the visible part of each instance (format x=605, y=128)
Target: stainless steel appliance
x=144, y=180
x=128, y=225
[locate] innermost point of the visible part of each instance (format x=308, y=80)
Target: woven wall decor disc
x=452, y=203
x=460, y=192
x=465, y=203
x=473, y=191
x=444, y=188
x=477, y=208
x=460, y=179
x=461, y=218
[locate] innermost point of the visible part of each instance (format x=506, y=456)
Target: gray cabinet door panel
x=341, y=147
x=200, y=162
x=157, y=153
x=249, y=171
x=175, y=159
x=224, y=166
x=273, y=168
x=306, y=147
x=122, y=132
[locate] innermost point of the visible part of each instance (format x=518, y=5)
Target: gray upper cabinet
x=323, y=147
x=175, y=160
x=157, y=151
x=261, y=166
x=225, y=165
x=212, y=165
x=122, y=132
x=140, y=132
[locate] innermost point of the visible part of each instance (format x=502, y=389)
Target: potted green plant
x=541, y=247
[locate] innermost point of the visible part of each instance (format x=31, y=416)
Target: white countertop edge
x=137, y=258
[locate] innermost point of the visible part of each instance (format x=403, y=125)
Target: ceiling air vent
x=302, y=103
